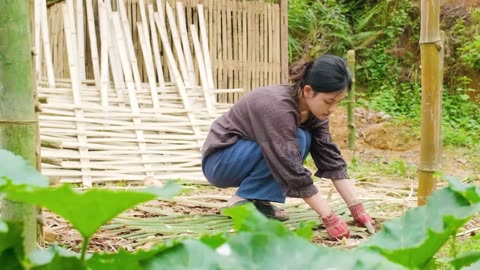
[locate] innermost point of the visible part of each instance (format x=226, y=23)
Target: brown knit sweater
x=269, y=116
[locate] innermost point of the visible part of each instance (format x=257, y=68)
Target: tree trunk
x=17, y=115
x=431, y=48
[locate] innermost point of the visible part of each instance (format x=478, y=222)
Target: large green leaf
x=414, y=238
x=56, y=258
x=9, y=260
x=262, y=251
x=18, y=171
x=247, y=218
x=86, y=211
x=125, y=260
x=474, y=266
x=468, y=191
x=9, y=235
x=466, y=259
x=11, y=249
x=190, y=254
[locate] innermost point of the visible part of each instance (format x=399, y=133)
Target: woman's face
x=322, y=104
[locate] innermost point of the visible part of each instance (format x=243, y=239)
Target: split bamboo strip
x=148, y=64
x=128, y=40
x=185, y=42
x=177, y=45
x=203, y=76
x=46, y=43
x=72, y=58
x=80, y=38
x=37, y=40
x=128, y=77
x=176, y=74
x=156, y=52
x=206, y=51
x=93, y=42
x=105, y=75
x=113, y=54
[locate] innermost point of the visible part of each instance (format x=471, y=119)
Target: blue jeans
x=242, y=165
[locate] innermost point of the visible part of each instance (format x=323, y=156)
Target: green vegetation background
x=385, y=35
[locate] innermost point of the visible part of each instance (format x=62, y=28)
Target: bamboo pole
x=351, y=102
x=18, y=123
x=284, y=40
x=431, y=48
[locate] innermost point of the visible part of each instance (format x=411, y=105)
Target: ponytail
x=297, y=72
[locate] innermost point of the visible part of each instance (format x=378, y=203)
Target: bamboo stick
x=105, y=75
x=208, y=95
x=431, y=47
x=148, y=64
x=131, y=91
x=185, y=42
x=72, y=58
x=129, y=44
x=93, y=42
x=156, y=52
x=351, y=102
x=80, y=38
x=46, y=43
x=37, y=39
x=206, y=51
x=177, y=45
x=117, y=72
x=176, y=74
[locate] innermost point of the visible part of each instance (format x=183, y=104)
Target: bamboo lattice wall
x=247, y=41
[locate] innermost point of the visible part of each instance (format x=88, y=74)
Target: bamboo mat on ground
x=158, y=223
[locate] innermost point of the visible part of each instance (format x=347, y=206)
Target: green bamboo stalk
x=351, y=102
x=17, y=115
x=431, y=49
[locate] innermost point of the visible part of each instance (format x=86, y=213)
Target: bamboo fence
x=246, y=40
x=123, y=124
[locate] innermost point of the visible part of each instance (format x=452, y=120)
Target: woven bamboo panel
x=123, y=124
x=247, y=40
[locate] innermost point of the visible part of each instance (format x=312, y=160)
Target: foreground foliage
x=409, y=242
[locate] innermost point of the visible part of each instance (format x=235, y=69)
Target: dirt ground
x=377, y=141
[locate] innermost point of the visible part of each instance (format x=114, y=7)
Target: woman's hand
x=347, y=190
x=336, y=227
x=362, y=218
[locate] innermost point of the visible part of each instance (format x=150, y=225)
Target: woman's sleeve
x=277, y=136
x=325, y=153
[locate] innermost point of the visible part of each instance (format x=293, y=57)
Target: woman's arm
x=319, y=204
x=346, y=189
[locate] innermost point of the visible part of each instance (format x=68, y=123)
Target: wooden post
x=431, y=48
x=18, y=124
x=351, y=102
x=284, y=40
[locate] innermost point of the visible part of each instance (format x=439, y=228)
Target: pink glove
x=362, y=218
x=336, y=228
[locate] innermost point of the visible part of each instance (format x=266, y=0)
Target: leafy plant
x=317, y=27
x=409, y=242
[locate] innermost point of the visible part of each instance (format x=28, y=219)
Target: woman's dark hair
x=327, y=74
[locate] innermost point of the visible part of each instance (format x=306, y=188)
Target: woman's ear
x=308, y=91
